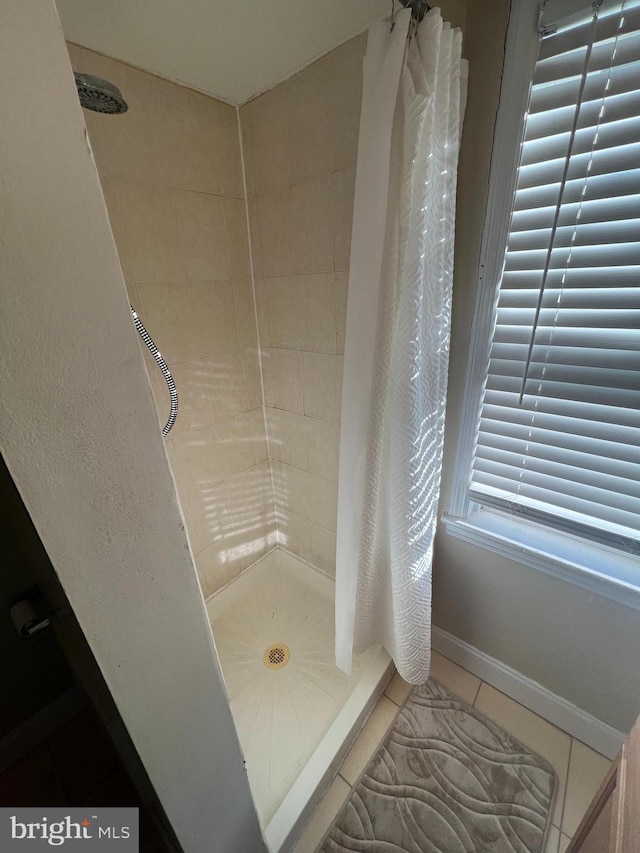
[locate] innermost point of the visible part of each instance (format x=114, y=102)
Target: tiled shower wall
x=300, y=144
x=171, y=173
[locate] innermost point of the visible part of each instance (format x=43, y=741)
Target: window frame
x=592, y=566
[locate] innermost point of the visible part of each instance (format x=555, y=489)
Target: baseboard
x=578, y=723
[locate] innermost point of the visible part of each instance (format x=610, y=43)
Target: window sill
x=593, y=567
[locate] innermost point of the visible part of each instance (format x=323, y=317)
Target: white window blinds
x=559, y=428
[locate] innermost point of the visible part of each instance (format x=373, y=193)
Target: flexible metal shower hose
x=162, y=364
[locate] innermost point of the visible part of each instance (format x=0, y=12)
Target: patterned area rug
x=447, y=780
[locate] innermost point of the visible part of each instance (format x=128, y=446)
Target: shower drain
x=276, y=656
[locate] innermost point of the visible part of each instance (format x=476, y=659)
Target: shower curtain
x=397, y=343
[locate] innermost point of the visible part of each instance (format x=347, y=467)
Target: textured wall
x=78, y=436
x=171, y=174
x=301, y=142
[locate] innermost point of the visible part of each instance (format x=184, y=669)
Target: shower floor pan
x=295, y=711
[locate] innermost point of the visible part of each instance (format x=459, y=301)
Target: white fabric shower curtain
x=397, y=343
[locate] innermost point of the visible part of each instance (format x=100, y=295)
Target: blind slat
x=560, y=60
x=602, y=161
x=559, y=426
x=599, y=187
x=572, y=374
x=585, y=419
x=541, y=460
x=581, y=317
x=618, y=277
x=596, y=395
x=610, y=135
x=613, y=524
x=587, y=357
x=553, y=491
x=627, y=298
x=545, y=97
x=612, y=254
x=575, y=36
x=578, y=424
x=519, y=437
x=603, y=210
x=551, y=122
x=589, y=234
x=604, y=339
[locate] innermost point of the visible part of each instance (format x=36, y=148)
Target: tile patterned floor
x=580, y=770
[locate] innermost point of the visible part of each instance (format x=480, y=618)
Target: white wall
x=79, y=434
x=581, y=646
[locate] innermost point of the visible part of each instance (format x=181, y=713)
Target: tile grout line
x=255, y=312
x=475, y=698
x=340, y=807
x=571, y=739
x=527, y=707
x=353, y=786
x=566, y=788
x=536, y=714
x=378, y=743
x=473, y=704
x=385, y=694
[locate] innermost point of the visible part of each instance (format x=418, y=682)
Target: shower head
x=99, y=95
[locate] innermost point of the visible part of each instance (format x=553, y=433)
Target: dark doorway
x=62, y=740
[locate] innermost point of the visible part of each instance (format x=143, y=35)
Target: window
x=553, y=438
